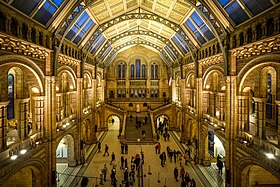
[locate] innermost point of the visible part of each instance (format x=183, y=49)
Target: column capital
x=22, y=100
x=4, y=103
x=277, y=103
x=242, y=97
x=260, y=99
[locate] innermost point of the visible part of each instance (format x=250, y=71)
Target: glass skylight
x=199, y=28
x=40, y=10
x=240, y=11
x=180, y=43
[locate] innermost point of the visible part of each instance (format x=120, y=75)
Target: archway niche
x=114, y=123
x=162, y=123
x=254, y=175
x=27, y=176
x=65, y=155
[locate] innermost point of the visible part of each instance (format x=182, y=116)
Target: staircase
x=132, y=134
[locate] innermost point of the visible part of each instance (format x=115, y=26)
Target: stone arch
x=87, y=80
x=190, y=80
x=271, y=59
x=30, y=67
x=69, y=71
x=160, y=118
x=111, y=123
x=244, y=169
x=33, y=171
x=98, y=120
x=209, y=72
x=70, y=146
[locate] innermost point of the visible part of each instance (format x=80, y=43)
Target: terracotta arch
x=35, y=164
x=256, y=62
x=71, y=143
x=209, y=71
x=245, y=163
x=24, y=63
x=70, y=72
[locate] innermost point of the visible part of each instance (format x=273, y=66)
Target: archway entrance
x=255, y=175
x=215, y=151
x=162, y=122
x=64, y=157
x=113, y=123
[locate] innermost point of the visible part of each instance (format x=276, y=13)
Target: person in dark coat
x=176, y=173
x=220, y=166
x=84, y=182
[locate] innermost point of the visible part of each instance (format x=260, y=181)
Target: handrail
x=124, y=126
x=153, y=126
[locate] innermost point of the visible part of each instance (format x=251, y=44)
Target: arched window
x=269, y=98
x=14, y=27
x=132, y=71
x=156, y=71
x=24, y=31
x=11, y=111
x=138, y=68
x=143, y=71
x=123, y=71
x=152, y=71
x=119, y=71
x=2, y=22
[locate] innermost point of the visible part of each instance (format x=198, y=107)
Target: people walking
x=220, y=166
x=193, y=183
x=106, y=150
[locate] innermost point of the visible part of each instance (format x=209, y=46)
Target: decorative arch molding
x=210, y=70
x=88, y=73
x=268, y=60
x=31, y=162
x=70, y=133
x=189, y=74
x=22, y=61
x=141, y=56
x=243, y=162
x=69, y=71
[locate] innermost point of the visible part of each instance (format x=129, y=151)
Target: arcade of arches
x=206, y=71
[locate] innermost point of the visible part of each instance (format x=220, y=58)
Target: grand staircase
x=132, y=134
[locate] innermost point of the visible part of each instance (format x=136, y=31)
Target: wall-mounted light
x=14, y=157
x=270, y=155
x=23, y=151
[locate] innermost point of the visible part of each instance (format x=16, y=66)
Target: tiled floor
x=159, y=173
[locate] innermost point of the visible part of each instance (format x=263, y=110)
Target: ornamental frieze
x=67, y=60
x=22, y=47
x=212, y=60
x=262, y=47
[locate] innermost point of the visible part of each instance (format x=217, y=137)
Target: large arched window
x=119, y=71
x=269, y=98
x=152, y=71
x=11, y=111
x=132, y=71
x=143, y=71
x=138, y=63
x=123, y=71
x=156, y=72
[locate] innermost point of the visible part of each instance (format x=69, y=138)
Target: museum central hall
x=143, y=93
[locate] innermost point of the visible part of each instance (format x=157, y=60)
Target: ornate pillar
x=260, y=117
x=49, y=129
x=3, y=124
x=242, y=115
x=79, y=154
x=200, y=154
x=38, y=116
x=23, y=116
x=278, y=121
x=264, y=31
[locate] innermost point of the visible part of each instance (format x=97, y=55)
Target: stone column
x=3, y=124
x=22, y=121
x=38, y=116
x=242, y=115
x=278, y=121
x=49, y=129
x=79, y=154
x=261, y=117
x=183, y=92
x=264, y=31
x=200, y=154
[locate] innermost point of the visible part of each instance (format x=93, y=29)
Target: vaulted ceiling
x=170, y=27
